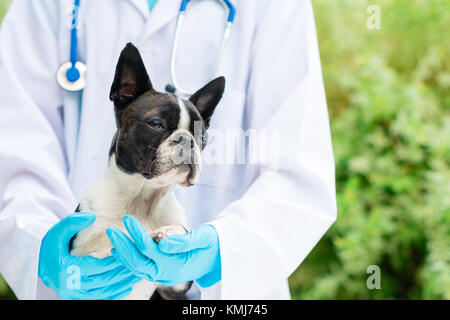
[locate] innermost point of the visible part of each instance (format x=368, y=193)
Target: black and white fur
x=154, y=132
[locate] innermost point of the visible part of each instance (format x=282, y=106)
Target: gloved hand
x=176, y=259
x=80, y=277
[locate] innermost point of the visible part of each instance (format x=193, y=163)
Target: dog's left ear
x=131, y=79
x=207, y=98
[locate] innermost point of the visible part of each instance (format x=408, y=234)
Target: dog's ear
x=207, y=98
x=131, y=79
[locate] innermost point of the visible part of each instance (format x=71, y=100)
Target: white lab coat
x=268, y=219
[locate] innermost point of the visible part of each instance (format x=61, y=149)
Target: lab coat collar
x=163, y=12
x=141, y=6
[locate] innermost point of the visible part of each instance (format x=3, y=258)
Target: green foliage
x=389, y=98
x=388, y=94
x=3, y=6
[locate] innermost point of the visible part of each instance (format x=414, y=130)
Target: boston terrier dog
x=156, y=147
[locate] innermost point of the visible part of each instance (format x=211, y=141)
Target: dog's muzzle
x=180, y=152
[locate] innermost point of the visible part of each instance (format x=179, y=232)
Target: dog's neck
x=127, y=184
x=132, y=191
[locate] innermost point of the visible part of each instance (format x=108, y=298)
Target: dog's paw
x=165, y=231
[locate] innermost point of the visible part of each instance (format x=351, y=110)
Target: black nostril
x=147, y=175
x=180, y=139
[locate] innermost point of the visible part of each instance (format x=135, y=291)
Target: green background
x=388, y=97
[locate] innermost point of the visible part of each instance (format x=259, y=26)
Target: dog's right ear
x=131, y=79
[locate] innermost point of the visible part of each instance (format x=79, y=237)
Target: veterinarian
x=254, y=222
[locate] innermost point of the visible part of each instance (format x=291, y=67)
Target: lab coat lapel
x=142, y=7
x=163, y=13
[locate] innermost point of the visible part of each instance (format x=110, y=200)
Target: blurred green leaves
x=388, y=94
x=3, y=6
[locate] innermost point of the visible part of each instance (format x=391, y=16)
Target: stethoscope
x=71, y=75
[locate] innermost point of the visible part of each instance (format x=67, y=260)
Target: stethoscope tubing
x=73, y=74
x=73, y=33
x=175, y=87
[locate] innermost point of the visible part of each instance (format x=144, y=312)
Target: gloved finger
x=108, y=278
x=92, y=266
x=120, y=260
x=132, y=268
x=70, y=226
x=141, y=238
x=110, y=291
x=127, y=253
x=199, y=238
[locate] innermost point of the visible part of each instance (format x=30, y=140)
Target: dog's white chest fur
x=117, y=194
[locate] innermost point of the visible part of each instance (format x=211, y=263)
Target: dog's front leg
x=165, y=231
x=177, y=292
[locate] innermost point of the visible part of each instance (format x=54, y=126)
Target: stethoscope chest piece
x=72, y=78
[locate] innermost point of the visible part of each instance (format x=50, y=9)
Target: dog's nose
x=182, y=148
x=182, y=138
x=179, y=139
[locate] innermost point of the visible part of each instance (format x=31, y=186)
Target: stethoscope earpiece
x=170, y=88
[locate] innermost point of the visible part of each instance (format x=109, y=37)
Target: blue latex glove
x=176, y=259
x=80, y=278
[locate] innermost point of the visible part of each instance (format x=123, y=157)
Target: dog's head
x=159, y=134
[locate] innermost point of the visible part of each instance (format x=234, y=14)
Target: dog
x=156, y=147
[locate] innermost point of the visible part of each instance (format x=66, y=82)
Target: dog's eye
x=155, y=124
